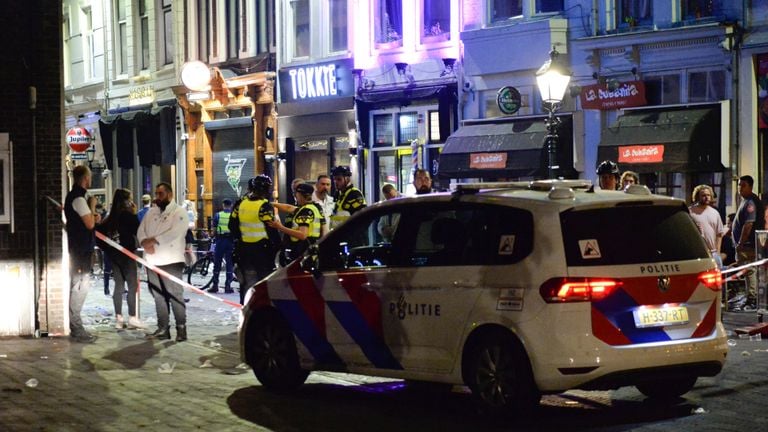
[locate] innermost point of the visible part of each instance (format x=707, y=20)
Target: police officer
x=608, y=175
x=349, y=199
x=254, y=240
x=224, y=248
x=308, y=221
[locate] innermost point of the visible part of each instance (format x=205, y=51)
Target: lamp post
x=552, y=78
x=91, y=154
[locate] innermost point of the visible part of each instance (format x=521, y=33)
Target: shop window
x=437, y=20
x=706, y=86
x=502, y=10
x=408, y=128
x=630, y=13
x=166, y=31
x=341, y=154
x=382, y=130
x=203, y=21
x=338, y=22
x=144, y=34
x=298, y=34
x=311, y=158
x=233, y=29
x=388, y=23
x=698, y=9
x=121, y=48
x=544, y=6
x=663, y=89
x=669, y=184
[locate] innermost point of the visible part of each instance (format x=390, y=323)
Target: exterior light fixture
x=401, y=68
x=552, y=78
x=196, y=75
x=90, y=154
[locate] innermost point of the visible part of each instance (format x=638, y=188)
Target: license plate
x=660, y=316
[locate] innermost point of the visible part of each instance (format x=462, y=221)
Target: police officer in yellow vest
x=254, y=240
x=224, y=248
x=308, y=222
x=349, y=199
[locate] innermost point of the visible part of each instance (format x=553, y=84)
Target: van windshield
x=630, y=235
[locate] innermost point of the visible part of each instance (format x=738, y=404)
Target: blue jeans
x=224, y=248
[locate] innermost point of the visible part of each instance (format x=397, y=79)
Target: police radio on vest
x=313, y=81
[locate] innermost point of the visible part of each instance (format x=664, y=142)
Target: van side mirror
x=310, y=261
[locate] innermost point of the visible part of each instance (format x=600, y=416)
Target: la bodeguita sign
x=488, y=160
x=627, y=94
x=653, y=153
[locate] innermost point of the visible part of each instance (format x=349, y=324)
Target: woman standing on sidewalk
x=121, y=225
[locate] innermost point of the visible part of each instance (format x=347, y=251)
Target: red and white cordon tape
x=161, y=272
x=741, y=270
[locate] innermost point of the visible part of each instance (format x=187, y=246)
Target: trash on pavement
x=213, y=344
x=166, y=368
x=699, y=410
x=206, y=364
x=32, y=383
x=745, y=354
x=731, y=343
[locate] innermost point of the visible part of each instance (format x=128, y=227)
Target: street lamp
x=91, y=154
x=552, y=78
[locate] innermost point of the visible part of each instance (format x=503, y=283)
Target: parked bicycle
x=200, y=273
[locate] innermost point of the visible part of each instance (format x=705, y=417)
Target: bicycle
x=200, y=273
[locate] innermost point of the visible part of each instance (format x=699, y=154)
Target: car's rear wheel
x=272, y=353
x=669, y=388
x=499, y=375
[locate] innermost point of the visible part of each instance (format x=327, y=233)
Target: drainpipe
x=35, y=207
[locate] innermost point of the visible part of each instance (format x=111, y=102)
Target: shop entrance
x=393, y=166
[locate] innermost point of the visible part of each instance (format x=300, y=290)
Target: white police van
x=514, y=290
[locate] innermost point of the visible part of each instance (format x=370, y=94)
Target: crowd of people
x=248, y=232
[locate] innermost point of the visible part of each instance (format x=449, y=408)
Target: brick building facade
x=31, y=54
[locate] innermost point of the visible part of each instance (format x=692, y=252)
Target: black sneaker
x=229, y=291
x=213, y=290
x=83, y=338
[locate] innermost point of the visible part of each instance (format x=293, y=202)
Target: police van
x=514, y=290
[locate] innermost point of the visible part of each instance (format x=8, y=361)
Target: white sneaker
x=119, y=323
x=135, y=323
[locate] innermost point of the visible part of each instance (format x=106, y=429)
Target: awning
x=680, y=139
x=320, y=125
x=155, y=136
x=505, y=148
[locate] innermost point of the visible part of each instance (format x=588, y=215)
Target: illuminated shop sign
x=316, y=81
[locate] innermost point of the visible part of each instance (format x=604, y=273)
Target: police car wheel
x=499, y=375
x=669, y=388
x=272, y=354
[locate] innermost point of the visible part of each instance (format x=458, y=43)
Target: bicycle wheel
x=201, y=273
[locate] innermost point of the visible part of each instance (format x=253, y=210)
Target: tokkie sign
x=641, y=154
x=627, y=94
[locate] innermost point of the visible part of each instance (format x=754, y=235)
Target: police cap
x=261, y=183
x=341, y=170
x=608, y=167
x=305, y=189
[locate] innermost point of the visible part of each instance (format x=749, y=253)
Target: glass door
x=394, y=167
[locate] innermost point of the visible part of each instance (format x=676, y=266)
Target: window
x=360, y=243
x=388, y=22
x=697, y=9
x=706, y=86
x=382, y=130
x=89, y=53
x=544, y=6
x=338, y=21
x=437, y=19
x=232, y=29
x=633, y=12
x=166, y=32
x=434, y=126
x=501, y=10
x=66, y=33
x=203, y=42
x=144, y=34
x=299, y=37
x=243, y=25
x=121, y=41
x=663, y=89
x=409, y=128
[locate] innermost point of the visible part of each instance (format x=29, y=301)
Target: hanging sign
x=78, y=139
x=509, y=100
x=627, y=94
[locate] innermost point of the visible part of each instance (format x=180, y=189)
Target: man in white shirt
x=708, y=221
x=161, y=234
x=322, y=195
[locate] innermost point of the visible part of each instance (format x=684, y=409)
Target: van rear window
x=630, y=235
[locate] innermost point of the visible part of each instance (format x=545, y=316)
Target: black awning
x=684, y=139
x=155, y=136
x=508, y=148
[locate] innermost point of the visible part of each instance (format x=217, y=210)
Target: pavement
x=124, y=382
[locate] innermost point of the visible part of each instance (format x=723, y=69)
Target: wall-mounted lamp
x=401, y=68
x=269, y=158
x=281, y=156
x=448, y=65
x=269, y=133
x=90, y=154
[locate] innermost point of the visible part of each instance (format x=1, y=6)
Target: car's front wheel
x=272, y=353
x=669, y=388
x=499, y=375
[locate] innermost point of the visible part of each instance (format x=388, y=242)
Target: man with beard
x=708, y=221
x=162, y=235
x=422, y=182
x=349, y=199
